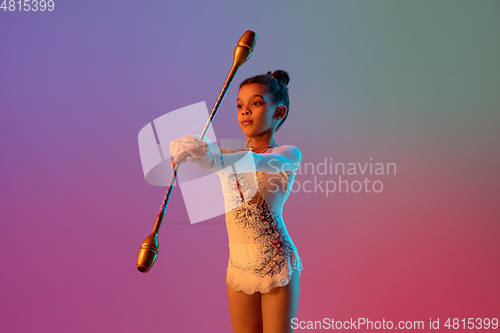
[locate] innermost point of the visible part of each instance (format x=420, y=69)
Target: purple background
x=412, y=83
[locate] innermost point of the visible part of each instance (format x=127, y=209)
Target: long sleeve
x=242, y=161
x=237, y=162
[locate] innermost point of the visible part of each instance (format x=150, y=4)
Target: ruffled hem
x=250, y=290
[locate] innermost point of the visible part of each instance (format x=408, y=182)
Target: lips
x=246, y=122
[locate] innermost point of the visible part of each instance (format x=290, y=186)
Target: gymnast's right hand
x=175, y=149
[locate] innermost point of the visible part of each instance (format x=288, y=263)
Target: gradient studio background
x=413, y=83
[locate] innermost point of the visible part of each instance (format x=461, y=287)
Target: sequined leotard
x=262, y=255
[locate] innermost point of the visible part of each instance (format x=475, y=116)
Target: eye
x=257, y=103
x=238, y=106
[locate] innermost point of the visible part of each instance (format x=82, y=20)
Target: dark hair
x=276, y=84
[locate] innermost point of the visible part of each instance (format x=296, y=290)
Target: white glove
x=191, y=148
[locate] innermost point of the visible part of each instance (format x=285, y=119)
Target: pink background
x=410, y=83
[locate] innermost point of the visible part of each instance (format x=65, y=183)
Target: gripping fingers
x=187, y=148
x=180, y=158
x=175, y=144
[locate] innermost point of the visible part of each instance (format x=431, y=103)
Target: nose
x=245, y=111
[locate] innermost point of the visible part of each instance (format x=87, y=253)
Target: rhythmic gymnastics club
x=150, y=247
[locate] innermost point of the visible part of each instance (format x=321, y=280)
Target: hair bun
x=281, y=76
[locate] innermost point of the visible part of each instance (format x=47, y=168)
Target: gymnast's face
x=257, y=114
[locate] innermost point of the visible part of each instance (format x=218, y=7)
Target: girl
x=264, y=266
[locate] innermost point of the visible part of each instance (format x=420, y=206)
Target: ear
x=280, y=112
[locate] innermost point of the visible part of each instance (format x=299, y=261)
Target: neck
x=257, y=143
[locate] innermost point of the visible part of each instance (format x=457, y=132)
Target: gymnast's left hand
x=196, y=151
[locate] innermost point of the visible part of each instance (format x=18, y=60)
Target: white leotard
x=262, y=255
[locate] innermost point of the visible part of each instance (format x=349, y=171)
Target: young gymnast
x=264, y=266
